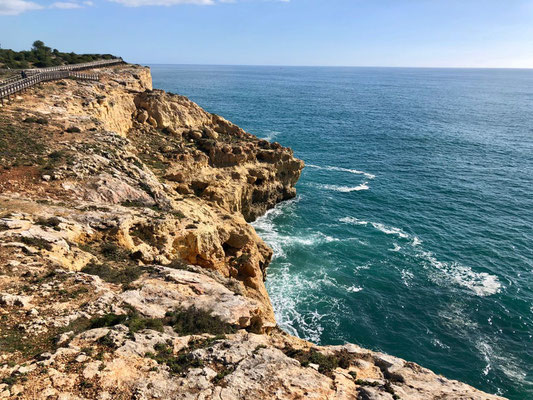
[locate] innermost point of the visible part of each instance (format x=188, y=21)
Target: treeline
x=41, y=56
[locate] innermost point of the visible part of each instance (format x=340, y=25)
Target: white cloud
x=16, y=7
x=139, y=3
x=65, y=5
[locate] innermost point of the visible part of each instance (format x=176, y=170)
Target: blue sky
x=420, y=33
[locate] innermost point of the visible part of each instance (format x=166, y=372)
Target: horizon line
x=332, y=66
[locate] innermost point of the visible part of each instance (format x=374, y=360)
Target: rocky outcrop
x=128, y=268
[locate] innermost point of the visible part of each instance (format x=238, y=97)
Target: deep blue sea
x=412, y=232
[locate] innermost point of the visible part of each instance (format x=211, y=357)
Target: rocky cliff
x=128, y=269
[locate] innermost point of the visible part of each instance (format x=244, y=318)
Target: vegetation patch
x=222, y=373
x=36, y=120
x=195, y=321
x=42, y=56
x=124, y=275
x=177, y=364
x=36, y=242
x=133, y=320
x=144, y=233
x=73, y=129
x=19, y=146
x=52, y=222
x=178, y=263
x=326, y=363
x=112, y=252
x=238, y=262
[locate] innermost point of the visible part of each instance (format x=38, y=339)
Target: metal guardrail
x=53, y=73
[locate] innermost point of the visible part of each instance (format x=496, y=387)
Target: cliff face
x=128, y=268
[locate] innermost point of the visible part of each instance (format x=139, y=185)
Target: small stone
x=44, y=356
x=64, y=338
x=81, y=358
x=46, y=178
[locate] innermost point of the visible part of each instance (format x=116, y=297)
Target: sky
x=390, y=33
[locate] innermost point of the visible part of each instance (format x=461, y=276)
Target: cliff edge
x=128, y=268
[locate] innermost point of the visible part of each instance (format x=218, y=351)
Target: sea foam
x=480, y=283
x=270, y=135
x=341, y=169
x=389, y=230
x=344, y=189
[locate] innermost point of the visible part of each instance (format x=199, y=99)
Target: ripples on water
x=412, y=231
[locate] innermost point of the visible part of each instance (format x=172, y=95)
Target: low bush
x=326, y=364
x=36, y=120
x=123, y=275
x=178, y=364
x=133, y=320
x=195, y=321
x=73, y=129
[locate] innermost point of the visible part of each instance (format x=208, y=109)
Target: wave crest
x=341, y=169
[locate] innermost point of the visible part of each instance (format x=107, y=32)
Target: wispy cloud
x=16, y=7
x=139, y=3
x=65, y=5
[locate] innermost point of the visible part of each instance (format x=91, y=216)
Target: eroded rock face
x=128, y=268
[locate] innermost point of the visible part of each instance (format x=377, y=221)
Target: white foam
x=353, y=221
x=279, y=241
x=341, y=169
x=292, y=292
x=390, y=230
x=344, y=189
x=416, y=241
x=496, y=359
x=396, y=248
x=481, y=283
x=437, y=343
x=407, y=277
x=267, y=229
x=354, y=289
x=270, y=135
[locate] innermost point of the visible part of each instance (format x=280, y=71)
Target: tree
x=38, y=45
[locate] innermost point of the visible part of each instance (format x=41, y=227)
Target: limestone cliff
x=128, y=268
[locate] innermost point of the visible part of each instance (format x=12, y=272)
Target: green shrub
x=326, y=364
x=52, y=222
x=123, y=275
x=133, y=320
x=113, y=252
x=36, y=120
x=36, y=242
x=179, y=364
x=195, y=321
x=178, y=263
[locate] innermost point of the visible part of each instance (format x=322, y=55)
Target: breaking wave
x=344, y=189
x=389, y=230
x=341, y=169
x=270, y=135
x=280, y=241
x=480, y=283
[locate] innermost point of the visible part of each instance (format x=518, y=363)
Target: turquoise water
x=412, y=232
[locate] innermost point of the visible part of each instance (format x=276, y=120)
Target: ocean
x=412, y=231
